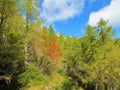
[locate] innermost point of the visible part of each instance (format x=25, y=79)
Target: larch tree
x=29, y=9
x=10, y=39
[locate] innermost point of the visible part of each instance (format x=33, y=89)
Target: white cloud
x=110, y=12
x=59, y=10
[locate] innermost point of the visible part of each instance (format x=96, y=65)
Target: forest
x=34, y=57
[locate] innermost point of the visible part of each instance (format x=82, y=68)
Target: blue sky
x=70, y=17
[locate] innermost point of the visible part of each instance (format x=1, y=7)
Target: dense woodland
x=34, y=57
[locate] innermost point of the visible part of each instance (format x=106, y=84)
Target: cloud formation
x=60, y=10
x=110, y=12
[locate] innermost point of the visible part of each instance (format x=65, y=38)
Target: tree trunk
x=26, y=41
x=105, y=87
x=96, y=87
x=2, y=16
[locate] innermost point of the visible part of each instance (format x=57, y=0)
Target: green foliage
x=35, y=57
x=97, y=60
x=32, y=76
